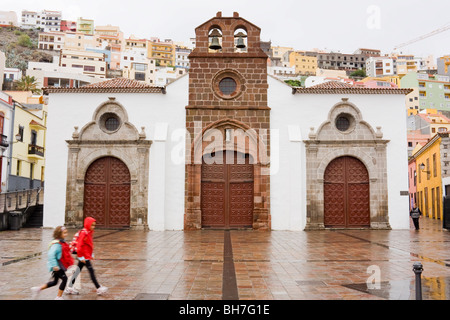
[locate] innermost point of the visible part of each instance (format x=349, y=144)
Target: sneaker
x=35, y=291
x=70, y=290
x=102, y=290
x=59, y=298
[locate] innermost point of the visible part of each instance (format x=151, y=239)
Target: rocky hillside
x=21, y=46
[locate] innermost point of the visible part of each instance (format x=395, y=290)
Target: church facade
x=226, y=146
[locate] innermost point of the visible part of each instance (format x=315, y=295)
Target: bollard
x=417, y=268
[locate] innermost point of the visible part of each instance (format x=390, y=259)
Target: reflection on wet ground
x=245, y=265
x=437, y=288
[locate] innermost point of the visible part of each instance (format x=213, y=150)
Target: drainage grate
x=152, y=296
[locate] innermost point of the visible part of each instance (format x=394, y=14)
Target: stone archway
x=346, y=134
x=109, y=134
x=240, y=140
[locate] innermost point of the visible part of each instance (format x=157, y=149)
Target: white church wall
x=150, y=110
x=288, y=195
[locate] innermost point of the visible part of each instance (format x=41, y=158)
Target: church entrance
x=107, y=193
x=346, y=194
x=227, y=190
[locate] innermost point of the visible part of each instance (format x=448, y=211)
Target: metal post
x=418, y=268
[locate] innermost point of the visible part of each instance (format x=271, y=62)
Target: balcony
x=35, y=151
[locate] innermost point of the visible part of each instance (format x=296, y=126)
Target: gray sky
x=343, y=26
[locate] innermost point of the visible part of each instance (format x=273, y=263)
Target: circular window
x=112, y=124
x=343, y=123
x=227, y=86
x=109, y=122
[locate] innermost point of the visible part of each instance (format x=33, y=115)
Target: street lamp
x=422, y=168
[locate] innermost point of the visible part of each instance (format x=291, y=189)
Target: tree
x=25, y=41
x=28, y=83
x=294, y=83
x=361, y=73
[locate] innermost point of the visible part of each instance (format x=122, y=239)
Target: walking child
x=85, y=255
x=59, y=259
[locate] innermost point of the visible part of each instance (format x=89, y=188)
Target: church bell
x=240, y=41
x=215, y=44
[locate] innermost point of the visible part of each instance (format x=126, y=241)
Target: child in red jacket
x=85, y=252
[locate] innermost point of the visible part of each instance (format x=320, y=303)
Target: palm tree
x=28, y=83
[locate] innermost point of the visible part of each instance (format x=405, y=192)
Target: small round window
x=110, y=122
x=343, y=123
x=227, y=86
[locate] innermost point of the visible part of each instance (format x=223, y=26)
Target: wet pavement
x=244, y=265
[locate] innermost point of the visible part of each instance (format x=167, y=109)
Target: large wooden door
x=227, y=190
x=107, y=193
x=346, y=194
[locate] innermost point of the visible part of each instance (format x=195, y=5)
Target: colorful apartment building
x=45, y=20
x=379, y=66
x=92, y=63
x=112, y=37
x=304, y=65
x=67, y=25
x=85, y=26
x=432, y=165
x=26, y=154
x=412, y=181
x=8, y=18
x=53, y=41
x=405, y=63
x=163, y=52
x=79, y=41
x=443, y=64
x=434, y=90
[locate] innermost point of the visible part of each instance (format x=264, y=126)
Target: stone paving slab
x=240, y=264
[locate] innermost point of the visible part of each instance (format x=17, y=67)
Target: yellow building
x=27, y=161
x=163, y=52
x=429, y=177
x=406, y=64
x=304, y=65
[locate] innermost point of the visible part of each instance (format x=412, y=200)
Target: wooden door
x=346, y=194
x=107, y=193
x=227, y=191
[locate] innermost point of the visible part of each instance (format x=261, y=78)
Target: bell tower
x=227, y=113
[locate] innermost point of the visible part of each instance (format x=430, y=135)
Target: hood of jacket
x=88, y=223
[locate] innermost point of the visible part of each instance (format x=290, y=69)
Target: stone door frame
x=361, y=142
x=92, y=143
x=202, y=144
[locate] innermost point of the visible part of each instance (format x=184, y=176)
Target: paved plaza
x=241, y=264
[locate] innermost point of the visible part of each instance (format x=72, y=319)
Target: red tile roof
x=336, y=87
x=113, y=85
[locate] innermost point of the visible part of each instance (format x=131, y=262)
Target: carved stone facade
x=109, y=134
x=355, y=138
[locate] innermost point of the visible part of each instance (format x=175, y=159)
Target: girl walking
x=85, y=253
x=59, y=259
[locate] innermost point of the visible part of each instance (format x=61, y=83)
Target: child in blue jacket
x=59, y=259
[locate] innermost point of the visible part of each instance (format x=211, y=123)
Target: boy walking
x=85, y=254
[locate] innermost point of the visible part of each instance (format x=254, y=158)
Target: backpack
x=73, y=243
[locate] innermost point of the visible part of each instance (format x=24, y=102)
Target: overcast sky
x=343, y=26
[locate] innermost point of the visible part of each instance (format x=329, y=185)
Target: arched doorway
x=346, y=194
x=227, y=190
x=107, y=193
